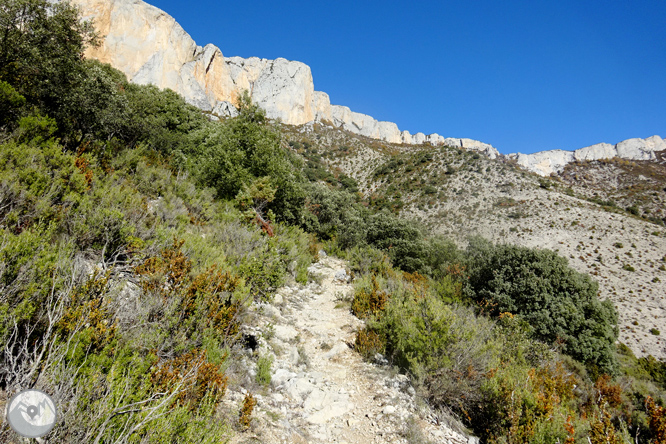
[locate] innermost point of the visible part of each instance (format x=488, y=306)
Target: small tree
x=253, y=199
x=231, y=155
x=41, y=54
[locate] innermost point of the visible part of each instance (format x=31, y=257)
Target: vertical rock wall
x=150, y=47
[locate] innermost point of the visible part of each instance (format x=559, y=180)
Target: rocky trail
x=321, y=391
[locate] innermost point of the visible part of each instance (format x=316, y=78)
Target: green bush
x=11, y=104
x=227, y=156
x=401, y=239
x=264, y=370
x=41, y=56
x=628, y=267
x=334, y=214
x=447, y=349
x=559, y=303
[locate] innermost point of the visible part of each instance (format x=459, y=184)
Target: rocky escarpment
x=150, y=47
x=549, y=162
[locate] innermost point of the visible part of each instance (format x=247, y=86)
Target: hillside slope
x=581, y=213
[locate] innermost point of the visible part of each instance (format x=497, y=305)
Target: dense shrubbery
x=100, y=304
x=235, y=154
x=560, y=304
x=493, y=374
x=71, y=234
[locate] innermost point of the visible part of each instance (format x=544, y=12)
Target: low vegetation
x=135, y=232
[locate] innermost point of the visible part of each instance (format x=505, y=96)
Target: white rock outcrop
x=149, y=46
x=545, y=163
x=225, y=109
x=281, y=87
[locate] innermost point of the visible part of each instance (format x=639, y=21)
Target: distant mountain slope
x=606, y=217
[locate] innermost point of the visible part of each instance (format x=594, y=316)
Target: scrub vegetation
x=135, y=231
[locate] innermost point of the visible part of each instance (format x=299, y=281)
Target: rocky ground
x=321, y=391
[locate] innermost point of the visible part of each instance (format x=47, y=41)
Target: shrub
x=558, y=302
x=334, y=214
x=237, y=152
x=446, y=348
x=246, y=411
x=368, y=298
x=365, y=260
x=264, y=364
x=401, y=239
x=368, y=343
x=11, y=103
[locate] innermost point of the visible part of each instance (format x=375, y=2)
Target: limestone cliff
x=545, y=163
x=150, y=47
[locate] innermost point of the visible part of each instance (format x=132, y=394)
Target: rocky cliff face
x=548, y=162
x=150, y=47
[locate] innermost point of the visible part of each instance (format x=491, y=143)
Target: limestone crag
x=545, y=163
x=281, y=87
x=150, y=47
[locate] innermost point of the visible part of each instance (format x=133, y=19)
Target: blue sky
x=524, y=76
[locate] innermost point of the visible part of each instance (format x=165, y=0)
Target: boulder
x=225, y=109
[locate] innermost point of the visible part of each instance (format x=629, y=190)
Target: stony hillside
x=605, y=216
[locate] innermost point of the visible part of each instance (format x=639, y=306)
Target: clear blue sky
x=523, y=76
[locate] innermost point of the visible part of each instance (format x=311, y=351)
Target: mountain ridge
x=150, y=47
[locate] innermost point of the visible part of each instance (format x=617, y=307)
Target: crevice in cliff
x=210, y=62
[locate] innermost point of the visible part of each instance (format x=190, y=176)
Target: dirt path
x=321, y=391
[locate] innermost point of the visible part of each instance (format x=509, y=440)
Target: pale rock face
x=435, y=139
x=389, y=132
x=547, y=162
x=655, y=143
x=225, y=109
x=449, y=141
x=362, y=124
x=149, y=46
x=418, y=139
x=322, y=107
x=341, y=116
x=357, y=123
x=595, y=152
x=484, y=148
x=284, y=89
x=639, y=149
